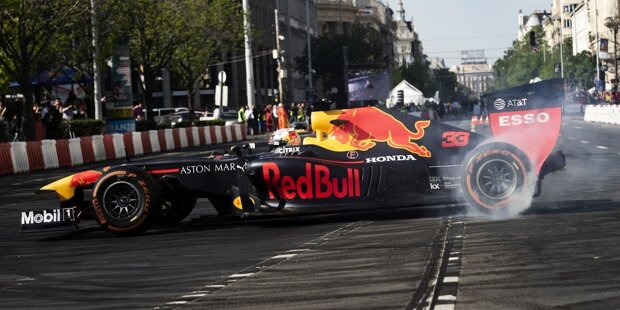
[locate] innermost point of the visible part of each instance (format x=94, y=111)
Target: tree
x=209, y=28
x=417, y=74
x=30, y=33
x=152, y=30
x=365, y=52
x=521, y=63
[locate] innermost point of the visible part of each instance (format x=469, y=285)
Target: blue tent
x=64, y=76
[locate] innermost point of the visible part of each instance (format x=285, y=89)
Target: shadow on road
x=214, y=222
x=573, y=206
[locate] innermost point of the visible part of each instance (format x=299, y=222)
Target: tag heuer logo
x=499, y=104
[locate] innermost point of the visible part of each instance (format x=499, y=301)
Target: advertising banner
x=119, y=108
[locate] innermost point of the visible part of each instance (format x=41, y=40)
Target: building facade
x=294, y=27
x=474, y=72
x=404, y=38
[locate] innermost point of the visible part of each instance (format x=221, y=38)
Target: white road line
x=455, y=253
x=240, y=275
x=458, y=236
x=451, y=280
x=444, y=307
x=298, y=250
x=216, y=286
x=193, y=295
x=601, y=147
x=578, y=127
x=453, y=258
x=179, y=302
x=284, y=256
x=447, y=298
x=585, y=142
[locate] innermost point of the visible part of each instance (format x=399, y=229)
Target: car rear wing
x=529, y=117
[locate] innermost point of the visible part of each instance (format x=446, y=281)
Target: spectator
x=68, y=112
x=476, y=110
x=241, y=115
x=249, y=118
x=82, y=112
x=137, y=111
x=282, y=117
x=274, y=115
x=269, y=117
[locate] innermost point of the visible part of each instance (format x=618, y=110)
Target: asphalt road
x=560, y=253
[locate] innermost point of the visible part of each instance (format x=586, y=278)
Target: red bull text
x=317, y=182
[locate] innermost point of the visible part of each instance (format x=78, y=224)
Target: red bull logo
x=317, y=182
x=362, y=128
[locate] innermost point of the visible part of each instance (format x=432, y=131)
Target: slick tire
x=494, y=178
x=126, y=201
x=175, y=209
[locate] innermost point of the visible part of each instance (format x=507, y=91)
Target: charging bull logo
x=362, y=128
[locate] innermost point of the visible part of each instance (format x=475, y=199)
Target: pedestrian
x=476, y=110
x=274, y=115
x=249, y=119
x=137, y=111
x=269, y=117
x=282, y=117
x=241, y=115
x=309, y=109
x=68, y=112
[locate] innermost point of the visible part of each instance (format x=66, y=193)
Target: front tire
x=126, y=201
x=495, y=179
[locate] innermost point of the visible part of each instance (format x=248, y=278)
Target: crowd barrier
x=19, y=157
x=607, y=114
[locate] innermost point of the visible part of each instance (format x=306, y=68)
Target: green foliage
x=209, y=27
x=32, y=37
x=417, y=74
x=81, y=128
x=184, y=124
x=365, y=51
x=520, y=63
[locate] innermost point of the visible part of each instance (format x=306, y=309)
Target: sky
x=446, y=27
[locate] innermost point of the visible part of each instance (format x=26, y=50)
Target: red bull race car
x=357, y=158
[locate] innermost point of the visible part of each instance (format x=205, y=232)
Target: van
x=159, y=113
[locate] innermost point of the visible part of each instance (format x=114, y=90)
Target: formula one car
x=358, y=158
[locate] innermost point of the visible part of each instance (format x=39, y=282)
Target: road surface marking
x=453, y=258
x=216, y=285
x=179, y=302
x=447, y=298
x=284, y=256
x=601, y=147
x=193, y=295
x=578, y=127
x=451, y=280
x=444, y=307
x=585, y=142
x=240, y=275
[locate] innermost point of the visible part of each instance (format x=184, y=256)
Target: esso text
x=523, y=119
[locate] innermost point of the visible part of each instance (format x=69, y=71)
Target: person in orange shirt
x=282, y=117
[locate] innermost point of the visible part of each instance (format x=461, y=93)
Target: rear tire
x=126, y=200
x=495, y=179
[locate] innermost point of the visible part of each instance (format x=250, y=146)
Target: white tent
x=411, y=94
